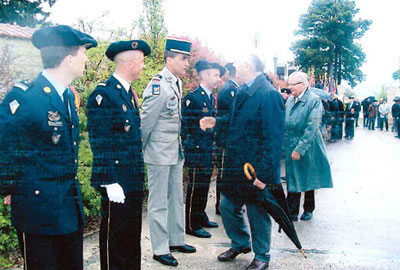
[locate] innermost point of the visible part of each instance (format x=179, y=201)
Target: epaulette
x=192, y=91
x=102, y=84
x=24, y=85
x=156, y=78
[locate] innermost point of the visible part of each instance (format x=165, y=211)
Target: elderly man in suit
x=39, y=133
x=256, y=131
x=118, y=169
x=163, y=153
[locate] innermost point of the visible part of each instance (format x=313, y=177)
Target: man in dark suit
x=350, y=114
x=39, y=132
x=118, y=169
x=357, y=109
x=225, y=98
x=198, y=147
x=256, y=132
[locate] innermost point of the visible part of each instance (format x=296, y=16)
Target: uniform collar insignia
x=14, y=105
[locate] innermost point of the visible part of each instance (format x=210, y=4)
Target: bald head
x=298, y=82
x=129, y=64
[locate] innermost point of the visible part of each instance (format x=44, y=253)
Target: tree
x=329, y=32
x=151, y=23
x=24, y=12
x=396, y=75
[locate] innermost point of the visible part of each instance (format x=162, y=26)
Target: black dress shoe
x=184, y=249
x=209, y=224
x=306, y=216
x=166, y=259
x=199, y=233
x=231, y=254
x=257, y=265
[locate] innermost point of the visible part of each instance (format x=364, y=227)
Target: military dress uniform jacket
x=161, y=120
x=115, y=137
x=197, y=144
x=39, y=139
x=256, y=132
x=225, y=99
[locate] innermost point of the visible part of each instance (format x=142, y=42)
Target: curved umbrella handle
x=246, y=169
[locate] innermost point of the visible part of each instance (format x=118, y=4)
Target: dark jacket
x=396, y=110
x=256, y=133
x=39, y=159
x=225, y=98
x=197, y=144
x=115, y=137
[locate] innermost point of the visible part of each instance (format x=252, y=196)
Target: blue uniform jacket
x=39, y=159
x=256, y=133
x=197, y=144
x=115, y=137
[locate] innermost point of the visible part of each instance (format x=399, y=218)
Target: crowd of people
x=249, y=122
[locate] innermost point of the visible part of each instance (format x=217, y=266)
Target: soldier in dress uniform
x=39, y=130
x=198, y=146
x=161, y=120
x=118, y=169
x=225, y=98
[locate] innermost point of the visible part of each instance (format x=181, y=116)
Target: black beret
x=62, y=35
x=396, y=99
x=129, y=45
x=179, y=45
x=204, y=64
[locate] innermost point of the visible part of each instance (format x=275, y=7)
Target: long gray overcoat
x=302, y=121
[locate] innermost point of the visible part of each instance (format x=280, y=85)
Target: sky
x=229, y=27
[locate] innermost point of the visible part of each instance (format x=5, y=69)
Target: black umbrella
x=371, y=98
x=274, y=201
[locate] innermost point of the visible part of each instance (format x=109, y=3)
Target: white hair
x=301, y=77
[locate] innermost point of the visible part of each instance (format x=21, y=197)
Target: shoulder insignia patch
x=156, y=89
x=21, y=86
x=99, y=99
x=187, y=103
x=14, y=105
x=192, y=91
x=103, y=84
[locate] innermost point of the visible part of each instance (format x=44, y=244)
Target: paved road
x=355, y=225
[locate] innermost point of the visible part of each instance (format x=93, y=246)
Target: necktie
x=66, y=100
x=177, y=84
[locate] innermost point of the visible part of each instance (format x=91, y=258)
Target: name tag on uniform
x=55, y=124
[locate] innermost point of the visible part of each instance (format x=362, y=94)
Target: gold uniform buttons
x=37, y=192
x=74, y=143
x=76, y=161
x=116, y=162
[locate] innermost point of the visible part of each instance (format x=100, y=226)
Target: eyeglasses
x=294, y=84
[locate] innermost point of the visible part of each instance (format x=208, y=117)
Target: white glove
x=115, y=193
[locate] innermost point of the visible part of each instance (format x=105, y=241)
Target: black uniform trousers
x=52, y=252
x=349, y=128
x=120, y=231
x=196, y=197
x=293, y=199
x=219, y=162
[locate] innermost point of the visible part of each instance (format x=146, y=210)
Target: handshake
x=207, y=122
